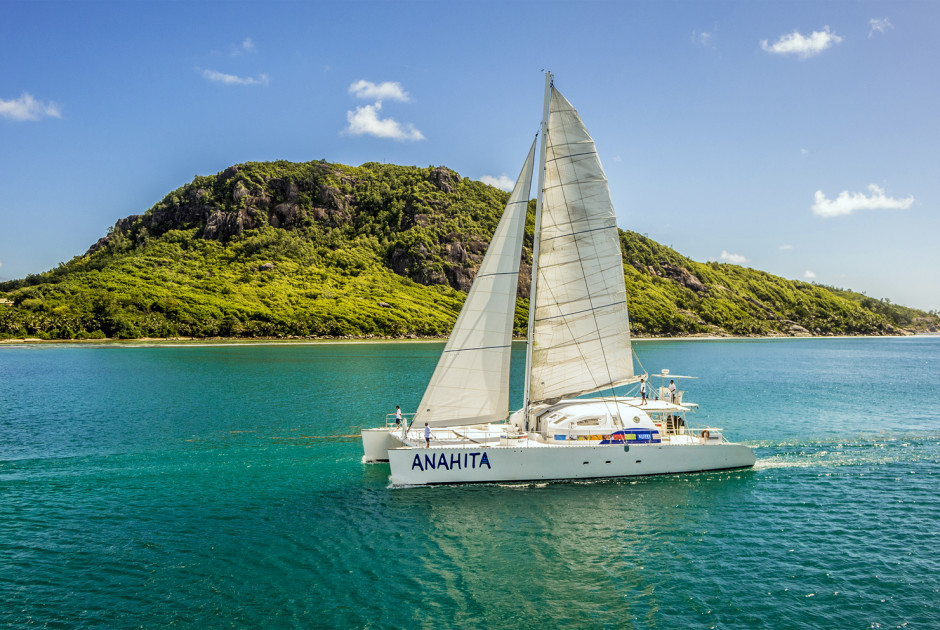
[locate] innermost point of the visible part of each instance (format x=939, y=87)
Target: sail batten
x=587, y=310
x=481, y=348
x=470, y=384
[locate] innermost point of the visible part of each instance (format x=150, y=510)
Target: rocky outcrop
x=445, y=179
x=683, y=276
x=223, y=225
x=525, y=280
x=121, y=227
x=191, y=210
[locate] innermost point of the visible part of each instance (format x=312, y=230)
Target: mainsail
x=470, y=384
x=581, y=332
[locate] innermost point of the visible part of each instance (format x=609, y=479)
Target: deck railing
x=406, y=419
x=705, y=434
x=458, y=437
x=445, y=436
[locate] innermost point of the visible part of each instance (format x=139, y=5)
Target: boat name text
x=454, y=462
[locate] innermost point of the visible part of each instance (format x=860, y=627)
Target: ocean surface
x=220, y=486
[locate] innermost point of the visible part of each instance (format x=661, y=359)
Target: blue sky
x=799, y=138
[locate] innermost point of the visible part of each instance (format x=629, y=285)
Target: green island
x=322, y=250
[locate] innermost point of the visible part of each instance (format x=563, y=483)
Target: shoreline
x=237, y=341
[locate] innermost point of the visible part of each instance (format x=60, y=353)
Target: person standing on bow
x=642, y=391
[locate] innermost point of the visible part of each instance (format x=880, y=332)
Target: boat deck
x=477, y=438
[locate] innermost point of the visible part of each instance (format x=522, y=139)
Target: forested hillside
x=282, y=249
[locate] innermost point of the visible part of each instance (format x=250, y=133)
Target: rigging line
x=584, y=275
x=543, y=286
x=497, y=273
x=578, y=342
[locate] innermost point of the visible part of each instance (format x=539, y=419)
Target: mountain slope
x=317, y=249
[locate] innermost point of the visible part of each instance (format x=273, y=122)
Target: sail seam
x=563, y=185
x=497, y=273
x=586, y=310
x=564, y=157
x=551, y=238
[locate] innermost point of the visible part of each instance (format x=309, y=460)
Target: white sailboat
x=578, y=344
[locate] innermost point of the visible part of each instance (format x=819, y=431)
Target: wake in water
x=861, y=450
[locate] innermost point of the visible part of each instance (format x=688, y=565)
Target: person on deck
x=672, y=391
x=427, y=436
x=642, y=391
x=397, y=416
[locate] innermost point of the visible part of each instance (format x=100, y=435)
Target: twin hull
x=421, y=466
x=376, y=444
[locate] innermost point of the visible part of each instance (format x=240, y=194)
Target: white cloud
x=803, y=47
x=379, y=91
x=734, y=259
x=27, y=108
x=247, y=46
x=879, y=24
x=847, y=203
x=786, y=248
x=365, y=121
x=809, y=275
x=704, y=38
x=504, y=182
x=804, y=151
x=231, y=79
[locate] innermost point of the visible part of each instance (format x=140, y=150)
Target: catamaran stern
x=376, y=444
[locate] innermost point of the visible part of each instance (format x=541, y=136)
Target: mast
x=535, y=245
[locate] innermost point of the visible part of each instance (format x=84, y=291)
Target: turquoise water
x=221, y=486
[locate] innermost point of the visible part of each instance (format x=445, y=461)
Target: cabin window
x=588, y=422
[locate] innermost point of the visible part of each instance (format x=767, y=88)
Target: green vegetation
x=671, y=294
x=326, y=250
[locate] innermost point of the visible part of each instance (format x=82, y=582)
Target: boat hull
x=376, y=444
x=412, y=466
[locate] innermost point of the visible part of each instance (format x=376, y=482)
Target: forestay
x=470, y=384
x=581, y=334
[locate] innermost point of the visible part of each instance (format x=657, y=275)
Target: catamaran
x=578, y=345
